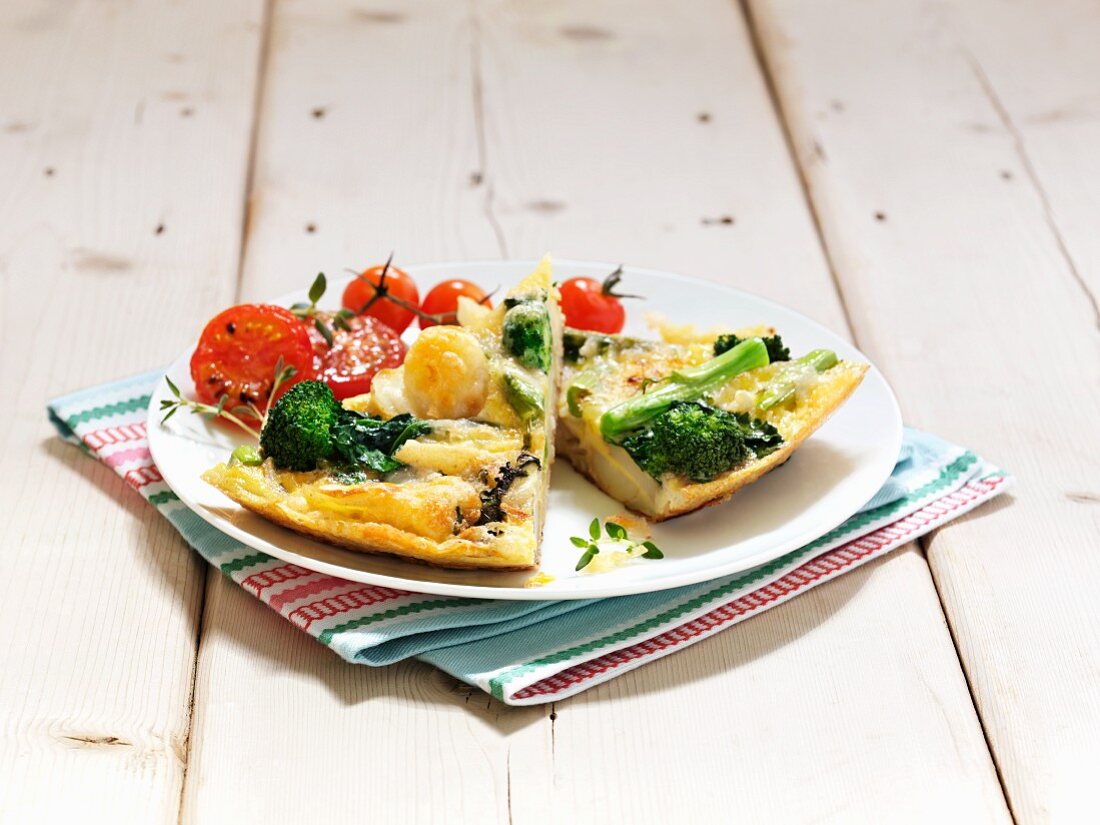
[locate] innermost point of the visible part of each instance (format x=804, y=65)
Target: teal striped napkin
x=526, y=653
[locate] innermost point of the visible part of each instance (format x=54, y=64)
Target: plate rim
x=158, y=436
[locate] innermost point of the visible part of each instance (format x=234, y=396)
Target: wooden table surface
x=923, y=176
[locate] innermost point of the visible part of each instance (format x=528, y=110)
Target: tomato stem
x=612, y=281
x=381, y=293
x=371, y=301
x=385, y=271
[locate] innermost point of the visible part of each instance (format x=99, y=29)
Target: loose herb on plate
x=616, y=539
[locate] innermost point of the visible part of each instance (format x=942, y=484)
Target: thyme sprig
x=235, y=415
x=617, y=539
x=307, y=311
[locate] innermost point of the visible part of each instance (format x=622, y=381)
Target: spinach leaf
x=360, y=442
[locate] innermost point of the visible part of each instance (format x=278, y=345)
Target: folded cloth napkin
x=526, y=653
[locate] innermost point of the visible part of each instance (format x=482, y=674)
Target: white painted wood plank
x=123, y=146
x=284, y=729
x=954, y=189
x=624, y=133
x=368, y=143
x=564, y=111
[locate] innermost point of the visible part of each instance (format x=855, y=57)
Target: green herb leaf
x=322, y=328
x=615, y=530
x=594, y=529
x=282, y=375
x=651, y=551
x=578, y=541
x=586, y=559
x=317, y=289
x=238, y=415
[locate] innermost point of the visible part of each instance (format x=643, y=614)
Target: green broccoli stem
x=782, y=388
x=683, y=385
x=523, y=395
x=581, y=387
x=246, y=454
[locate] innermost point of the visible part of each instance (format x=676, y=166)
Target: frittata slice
x=471, y=492
x=602, y=372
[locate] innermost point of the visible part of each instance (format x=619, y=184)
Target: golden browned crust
x=425, y=509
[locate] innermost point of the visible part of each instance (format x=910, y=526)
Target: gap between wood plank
x=254, y=137
x=811, y=205
x=792, y=152
x=478, y=95
x=923, y=543
x=246, y=215
x=1033, y=178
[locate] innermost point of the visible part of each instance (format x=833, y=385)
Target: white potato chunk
x=386, y=397
x=446, y=374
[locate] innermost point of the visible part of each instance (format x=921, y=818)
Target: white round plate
x=825, y=481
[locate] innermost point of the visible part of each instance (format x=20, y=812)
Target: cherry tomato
x=443, y=300
x=383, y=281
x=349, y=365
x=588, y=304
x=239, y=350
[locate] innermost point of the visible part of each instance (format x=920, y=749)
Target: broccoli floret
x=699, y=442
x=308, y=428
x=573, y=341
x=298, y=432
x=777, y=351
x=527, y=334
